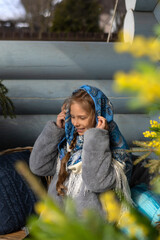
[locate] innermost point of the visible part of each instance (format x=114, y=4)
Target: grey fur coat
x=96, y=175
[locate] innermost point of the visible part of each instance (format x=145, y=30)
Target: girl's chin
x=80, y=134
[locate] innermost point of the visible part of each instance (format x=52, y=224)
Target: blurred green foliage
x=5, y=102
x=57, y=224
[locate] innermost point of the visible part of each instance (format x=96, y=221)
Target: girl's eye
x=82, y=118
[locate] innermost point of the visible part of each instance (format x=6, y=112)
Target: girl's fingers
x=102, y=123
x=61, y=115
x=61, y=119
x=63, y=108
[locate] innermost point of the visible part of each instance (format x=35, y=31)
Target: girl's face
x=80, y=118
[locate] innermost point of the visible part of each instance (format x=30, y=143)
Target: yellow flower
x=124, y=219
x=128, y=221
x=145, y=85
x=47, y=214
x=158, y=150
x=132, y=81
x=155, y=124
x=40, y=207
x=122, y=47
x=44, y=212
x=155, y=135
x=140, y=46
x=111, y=206
x=158, y=237
x=153, y=144
x=150, y=134
x=153, y=49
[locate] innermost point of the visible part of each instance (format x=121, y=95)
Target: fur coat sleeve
x=97, y=169
x=44, y=155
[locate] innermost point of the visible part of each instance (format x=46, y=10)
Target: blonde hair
x=88, y=105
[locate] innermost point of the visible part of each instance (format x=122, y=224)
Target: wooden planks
x=47, y=96
x=60, y=60
x=141, y=5
x=139, y=23
x=14, y=236
x=39, y=81
x=157, y=12
x=24, y=130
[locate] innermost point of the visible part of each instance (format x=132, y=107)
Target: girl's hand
x=102, y=123
x=61, y=118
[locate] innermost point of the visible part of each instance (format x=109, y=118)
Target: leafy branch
x=6, y=103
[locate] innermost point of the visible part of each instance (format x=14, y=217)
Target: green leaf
x=5, y=102
x=157, y=29
x=156, y=184
x=141, y=158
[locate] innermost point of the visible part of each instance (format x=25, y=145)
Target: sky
x=11, y=9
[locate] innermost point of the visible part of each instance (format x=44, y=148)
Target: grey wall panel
x=132, y=126
x=24, y=130
x=145, y=5
x=60, y=60
x=145, y=23
x=53, y=106
x=54, y=88
x=157, y=12
x=40, y=75
x=21, y=131
x=141, y=5
x=47, y=96
x=139, y=23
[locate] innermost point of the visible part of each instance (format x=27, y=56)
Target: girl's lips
x=80, y=129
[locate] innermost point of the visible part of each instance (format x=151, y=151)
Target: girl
x=84, y=151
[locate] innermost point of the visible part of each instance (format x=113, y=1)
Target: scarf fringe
x=121, y=181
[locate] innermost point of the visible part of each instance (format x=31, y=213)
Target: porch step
x=14, y=236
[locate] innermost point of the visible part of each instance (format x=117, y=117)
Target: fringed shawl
x=118, y=145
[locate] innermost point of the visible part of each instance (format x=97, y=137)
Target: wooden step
x=14, y=236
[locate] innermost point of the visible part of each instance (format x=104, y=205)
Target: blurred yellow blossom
x=140, y=47
x=154, y=135
x=40, y=207
x=150, y=134
x=158, y=237
x=154, y=123
x=111, y=206
x=145, y=83
x=123, y=217
x=126, y=219
x=129, y=221
x=49, y=215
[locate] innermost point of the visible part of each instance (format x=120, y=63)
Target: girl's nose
x=76, y=123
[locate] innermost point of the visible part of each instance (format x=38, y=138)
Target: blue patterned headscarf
x=103, y=107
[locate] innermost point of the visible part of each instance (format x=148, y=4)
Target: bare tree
x=38, y=14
